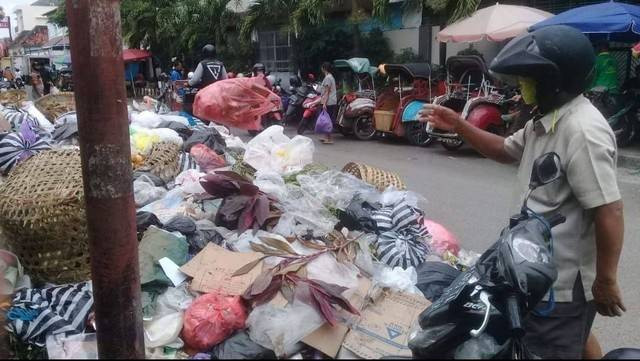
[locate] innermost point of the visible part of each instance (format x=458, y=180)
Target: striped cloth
x=60, y=310
x=16, y=117
x=15, y=148
x=403, y=236
x=187, y=162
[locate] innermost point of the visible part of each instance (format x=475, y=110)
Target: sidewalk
x=629, y=157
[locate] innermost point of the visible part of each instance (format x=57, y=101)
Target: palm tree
x=453, y=9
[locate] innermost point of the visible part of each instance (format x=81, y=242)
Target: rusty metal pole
x=101, y=104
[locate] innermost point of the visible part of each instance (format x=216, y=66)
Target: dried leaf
x=334, y=293
x=247, y=267
x=270, y=292
x=294, y=267
x=278, y=244
x=287, y=291
x=311, y=245
x=261, y=209
x=259, y=285
x=324, y=306
x=266, y=250
x=247, y=217
x=303, y=293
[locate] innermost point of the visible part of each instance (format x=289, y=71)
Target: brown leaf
x=311, y=245
x=247, y=267
x=323, y=305
x=270, y=292
x=266, y=250
x=294, y=267
x=287, y=291
x=278, y=244
x=259, y=285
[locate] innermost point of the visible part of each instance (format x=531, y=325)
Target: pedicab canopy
x=357, y=65
x=414, y=70
x=613, y=20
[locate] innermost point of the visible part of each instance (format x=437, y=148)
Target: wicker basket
x=54, y=105
x=384, y=119
x=43, y=217
x=13, y=97
x=163, y=161
x=379, y=178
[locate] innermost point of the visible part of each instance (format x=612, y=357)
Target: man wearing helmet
x=259, y=70
x=553, y=66
x=209, y=70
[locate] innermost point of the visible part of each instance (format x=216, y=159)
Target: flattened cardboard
x=212, y=268
x=384, y=327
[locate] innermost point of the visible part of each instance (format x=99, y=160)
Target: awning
x=135, y=55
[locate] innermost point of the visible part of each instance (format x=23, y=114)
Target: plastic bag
x=333, y=188
x=434, y=277
x=324, y=124
x=271, y=150
x=212, y=318
x=359, y=215
x=189, y=182
x=206, y=158
x=210, y=137
x=441, y=239
x=76, y=347
x=183, y=130
x=43, y=122
x=279, y=329
x=303, y=212
x=146, y=119
x=238, y=102
x=271, y=183
x=240, y=346
x=145, y=220
x=165, y=326
x=167, y=135
x=171, y=205
x=397, y=279
x=144, y=192
x=327, y=269
x=182, y=224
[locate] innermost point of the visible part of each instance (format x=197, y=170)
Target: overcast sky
x=8, y=6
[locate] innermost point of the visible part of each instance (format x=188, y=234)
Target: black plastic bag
x=182, y=224
x=240, y=346
x=145, y=220
x=358, y=216
x=198, y=240
x=183, y=131
x=434, y=277
x=209, y=137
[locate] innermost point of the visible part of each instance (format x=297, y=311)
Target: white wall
x=28, y=17
x=403, y=38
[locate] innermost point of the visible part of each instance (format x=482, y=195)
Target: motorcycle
x=295, y=109
x=483, y=309
x=312, y=107
x=622, y=112
x=356, y=106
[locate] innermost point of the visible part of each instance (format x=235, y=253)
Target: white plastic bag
x=279, y=329
x=333, y=188
x=174, y=118
x=327, y=269
x=271, y=183
x=171, y=205
x=397, y=279
x=43, y=122
x=146, y=119
x=189, y=182
x=272, y=150
x=83, y=346
x=167, y=135
x=144, y=192
x=164, y=327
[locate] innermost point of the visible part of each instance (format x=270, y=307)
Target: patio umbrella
x=618, y=21
x=496, y=23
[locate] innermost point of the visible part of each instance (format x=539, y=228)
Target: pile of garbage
x=246, y=250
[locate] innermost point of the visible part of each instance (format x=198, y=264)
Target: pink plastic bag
x=442, y=240
x=206, y=158
x=211, y=319
x=238, y=102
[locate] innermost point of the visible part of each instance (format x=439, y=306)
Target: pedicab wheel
x=363, y=128
x=452, y=145
x=416, y=134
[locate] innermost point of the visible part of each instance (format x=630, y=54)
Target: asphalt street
x=473, y=197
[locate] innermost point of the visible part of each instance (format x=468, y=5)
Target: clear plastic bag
x=144, y=192
x=478, y=348
x=76, y=347
x=272, y=150
x=189, y=182
x=146, y=119
x=279, y=329
x=271, y=183
x=327, y=269
x=171, y=205
x=303, y=212
x=398, y=279
x=333, y=188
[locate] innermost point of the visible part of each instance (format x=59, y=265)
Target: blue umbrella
x=613, y=20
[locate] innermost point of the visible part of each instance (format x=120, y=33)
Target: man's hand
x=440, y=117
x=607, y=298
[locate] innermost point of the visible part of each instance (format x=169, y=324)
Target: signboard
x=4, y=23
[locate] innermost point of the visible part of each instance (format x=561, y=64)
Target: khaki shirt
x=587, y=148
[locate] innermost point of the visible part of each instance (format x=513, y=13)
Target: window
x=275, y=50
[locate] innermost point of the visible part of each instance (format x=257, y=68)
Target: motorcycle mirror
x=546, y=169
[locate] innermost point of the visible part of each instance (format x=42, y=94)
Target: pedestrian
x=329, y=97
x=176, y=71
x=209, y=70
x=552, y=66
x=36, y=81
x=46, y=76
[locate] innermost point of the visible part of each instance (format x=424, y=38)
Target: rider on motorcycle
x=553, y=67
x=259, y=70
x=209, y=70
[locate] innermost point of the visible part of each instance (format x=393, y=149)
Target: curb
x=629, y=161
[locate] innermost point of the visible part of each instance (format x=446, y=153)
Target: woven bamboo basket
x=377, y=177
x=163, y=161
x=42, y=216
x=54, y=105
x=13, y=97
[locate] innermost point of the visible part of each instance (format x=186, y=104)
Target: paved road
x=471, y=196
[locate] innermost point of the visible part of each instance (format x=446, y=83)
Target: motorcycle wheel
x=624, y=131
x=416, y=133
x=452, y=145
x=363, y=128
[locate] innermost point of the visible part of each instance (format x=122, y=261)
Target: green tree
x=453, y=9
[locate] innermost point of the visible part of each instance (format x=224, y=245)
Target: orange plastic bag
x=211, y=319
x=238, y=102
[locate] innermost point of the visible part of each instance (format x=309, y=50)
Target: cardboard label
x=384, y=327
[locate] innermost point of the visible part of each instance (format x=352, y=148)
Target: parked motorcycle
x=312, y=107
x=295, y=108
x=484, y=308
x=356, y=106
x=622, y=112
